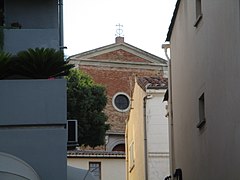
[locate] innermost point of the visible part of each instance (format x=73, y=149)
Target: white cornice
x=118, y=64
x=124, y=46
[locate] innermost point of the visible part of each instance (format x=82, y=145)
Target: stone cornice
x=124, y=46
x=118, y=64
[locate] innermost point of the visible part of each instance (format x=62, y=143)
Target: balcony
x=16, y=40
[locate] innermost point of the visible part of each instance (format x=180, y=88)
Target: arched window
x=119, y=147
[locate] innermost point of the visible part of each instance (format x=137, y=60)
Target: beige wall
x=135, y=133
x=157, y=135
x=111, y=168
x=205, y=59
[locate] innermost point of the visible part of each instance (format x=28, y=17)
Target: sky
x=90, y=24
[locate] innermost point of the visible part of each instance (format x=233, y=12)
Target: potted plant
x=5, y=59
x=39, y=63
x=16, y=25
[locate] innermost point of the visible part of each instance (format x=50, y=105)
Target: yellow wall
x=135, y=133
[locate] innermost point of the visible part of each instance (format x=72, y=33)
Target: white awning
x=12, y=167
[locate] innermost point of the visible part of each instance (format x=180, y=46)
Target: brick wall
x=116, y=80
x=119, y=55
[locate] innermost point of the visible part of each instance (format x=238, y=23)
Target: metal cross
x=119, y=30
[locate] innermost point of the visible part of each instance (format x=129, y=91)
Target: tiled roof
x=95, y=154
x=152, y=82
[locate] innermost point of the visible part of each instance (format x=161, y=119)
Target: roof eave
x=170, y=29
x=96, y=156
x=136, y=50
x=156, y=88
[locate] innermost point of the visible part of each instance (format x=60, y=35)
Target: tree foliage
x=85, y=102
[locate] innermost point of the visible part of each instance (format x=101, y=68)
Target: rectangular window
x=198, y=8
x=72, y=131
x=202, y=118
x=1, y=12
x=95, y=169
x=198, y=5
x=131, y=156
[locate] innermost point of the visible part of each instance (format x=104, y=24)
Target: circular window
x=121, y=102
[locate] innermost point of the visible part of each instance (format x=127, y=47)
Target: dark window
x=121, y=102
x=72, y=130
x=198, y=8
x=198, y=12
x=95, y=169
x=119, y=147
x=202, y=118
x=1, y=12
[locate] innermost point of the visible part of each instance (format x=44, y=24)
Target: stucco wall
x=33, y=124
x=111, y=168
x=205, y=59
x=157, y=136
x=33, y=102
x=135, y=134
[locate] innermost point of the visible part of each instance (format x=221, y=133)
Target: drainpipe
x=60, y=24
x=126, y=151
x=170, y=110
x=145, y=133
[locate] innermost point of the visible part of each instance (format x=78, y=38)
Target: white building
x=204, y=94
x=102, y=165
x=147, y=131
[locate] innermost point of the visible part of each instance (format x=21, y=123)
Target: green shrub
x=5, y=60
x=40, y=63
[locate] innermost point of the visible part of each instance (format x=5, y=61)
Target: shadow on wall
x=76, y=174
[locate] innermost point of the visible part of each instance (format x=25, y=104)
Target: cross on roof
x=119, y=31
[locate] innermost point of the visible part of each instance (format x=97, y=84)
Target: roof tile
x=152, y=82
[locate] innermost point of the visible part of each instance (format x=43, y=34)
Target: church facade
x=116, y=66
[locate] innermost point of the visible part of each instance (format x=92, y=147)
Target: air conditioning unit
x=72, y=127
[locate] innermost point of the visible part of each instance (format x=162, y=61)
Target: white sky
x=90, y=24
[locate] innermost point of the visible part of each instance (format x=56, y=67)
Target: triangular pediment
x=119, y=55
x=119, y=52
